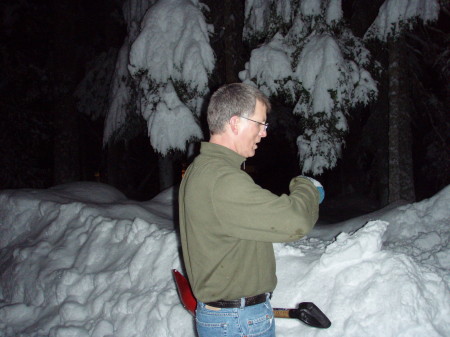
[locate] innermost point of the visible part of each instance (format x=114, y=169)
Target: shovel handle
x=282, y=313
x=307, y=312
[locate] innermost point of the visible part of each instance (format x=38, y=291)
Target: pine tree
x=162, y=75
x=395, y=17
x=310, y=60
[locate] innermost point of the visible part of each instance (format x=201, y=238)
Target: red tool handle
x=184, y=291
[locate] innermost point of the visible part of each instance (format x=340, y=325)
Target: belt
x=249, y=301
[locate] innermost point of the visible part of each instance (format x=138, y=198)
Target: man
x=228, y=223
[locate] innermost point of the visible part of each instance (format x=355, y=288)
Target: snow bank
x=69, y=269
x=74, y=267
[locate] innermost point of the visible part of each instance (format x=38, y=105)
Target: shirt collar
x=221, y=151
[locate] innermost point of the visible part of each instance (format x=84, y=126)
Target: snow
x=320, y=70
x=310, y=7
x=334, y=12
x=254, y=11
x=162, y=71
x=174, y=44
x=316, y=65
x=270, y=64
x=172, y=50
x=170, y=111
x=82, y=260
x=311, y=61
x=395, y=15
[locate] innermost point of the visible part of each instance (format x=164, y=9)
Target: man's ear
x=234, y=124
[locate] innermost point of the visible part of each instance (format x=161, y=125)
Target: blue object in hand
x=319, y=188
x=322, y=193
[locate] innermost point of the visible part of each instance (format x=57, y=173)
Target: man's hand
x=319, y=188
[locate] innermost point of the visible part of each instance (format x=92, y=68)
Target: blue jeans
x=255, y=320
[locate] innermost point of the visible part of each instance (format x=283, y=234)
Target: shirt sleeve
x=249, y=212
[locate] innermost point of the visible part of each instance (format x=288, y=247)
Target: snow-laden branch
x=395, y=16
x=166, y=71
x=170, y=123
x=316, y=65
x=174, y=45
x=171, y=61
x=120, y=95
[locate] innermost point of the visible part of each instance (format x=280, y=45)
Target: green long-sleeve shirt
x=228, y=224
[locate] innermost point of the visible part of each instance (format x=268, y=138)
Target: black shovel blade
x=310, y=314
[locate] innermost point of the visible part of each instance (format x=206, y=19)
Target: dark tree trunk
x=381, y=144
x=66, y=142
x=228, y=20
x=166, y=171
x=114, y=158
x=401, y=182
x=66, y=72
x=374, y=138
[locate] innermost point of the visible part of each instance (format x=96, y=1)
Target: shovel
x=307, y=312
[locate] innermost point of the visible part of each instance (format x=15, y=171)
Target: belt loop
x=242, y=302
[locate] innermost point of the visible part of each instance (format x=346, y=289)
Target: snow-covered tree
x=313, y=62
x=305, y=56
x=120, y=102
x=168, y=62
x=395, y=17
x=162, y=75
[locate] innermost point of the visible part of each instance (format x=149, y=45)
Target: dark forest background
x=45, y=52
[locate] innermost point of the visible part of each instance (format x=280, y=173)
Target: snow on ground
x=82, y=260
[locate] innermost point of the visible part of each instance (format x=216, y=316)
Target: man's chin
x=247, y=154
x=251, y=154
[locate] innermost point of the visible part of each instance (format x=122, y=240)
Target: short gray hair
x=235, y=99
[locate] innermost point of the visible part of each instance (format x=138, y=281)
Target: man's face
x=251, y=132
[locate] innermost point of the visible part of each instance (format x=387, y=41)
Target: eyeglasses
x=266, y=125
